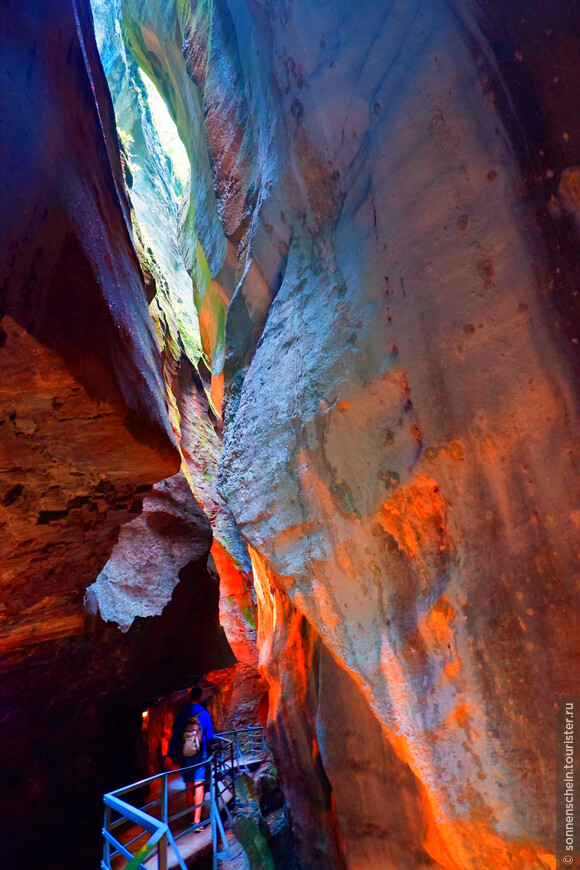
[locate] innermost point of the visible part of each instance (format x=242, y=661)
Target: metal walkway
x=158, y=833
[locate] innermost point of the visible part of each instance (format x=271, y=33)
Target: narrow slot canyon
x=289, y=334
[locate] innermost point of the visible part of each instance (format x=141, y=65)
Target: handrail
x=252, y=730
x=161, y=832
x=222, y=763
x=157, y=829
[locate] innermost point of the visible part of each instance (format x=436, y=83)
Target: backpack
x=192, y=736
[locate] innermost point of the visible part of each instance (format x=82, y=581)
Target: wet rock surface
x=260, y=836
x=269, y=794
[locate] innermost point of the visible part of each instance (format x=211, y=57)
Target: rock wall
x=85, y=439
x=85, y=425
x=353, y=802
x=400, y=374
x=381, y=230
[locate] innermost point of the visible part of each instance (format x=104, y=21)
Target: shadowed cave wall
x=381, y=233
x=85, y=436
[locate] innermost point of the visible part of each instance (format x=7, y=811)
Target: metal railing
x=224, y=771
x=158, y=826
x=231, y=751
x=249, y=743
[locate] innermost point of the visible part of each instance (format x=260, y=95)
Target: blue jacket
x=176, y=744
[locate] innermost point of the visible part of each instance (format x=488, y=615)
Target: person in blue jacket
x=195, y=778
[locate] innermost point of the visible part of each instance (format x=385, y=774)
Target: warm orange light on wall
x=217, y=392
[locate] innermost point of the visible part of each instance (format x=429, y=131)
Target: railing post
x=233, y=774
x=162, y=849
x=107, y=845
x=162, y=852
x=213, y=809
x=164, y=798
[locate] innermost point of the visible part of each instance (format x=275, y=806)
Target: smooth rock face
x=400, y=369
x=353, y=802
x=379, y=802
x=64, y=219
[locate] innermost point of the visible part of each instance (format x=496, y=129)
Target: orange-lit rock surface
x=400, y=433
x=384, y=198
x=354, y=801
x=288, y=659
x=69, y=479
x=237, y=606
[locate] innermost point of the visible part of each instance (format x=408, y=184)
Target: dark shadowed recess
x=70, y=721
x=530, y=68
x=69, y=273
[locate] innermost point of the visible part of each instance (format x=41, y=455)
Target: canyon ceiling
x=289, y=377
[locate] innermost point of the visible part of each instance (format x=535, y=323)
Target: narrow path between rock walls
x=242, y=792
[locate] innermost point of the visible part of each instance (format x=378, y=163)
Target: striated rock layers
x=396, y=185
x=84, y=418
